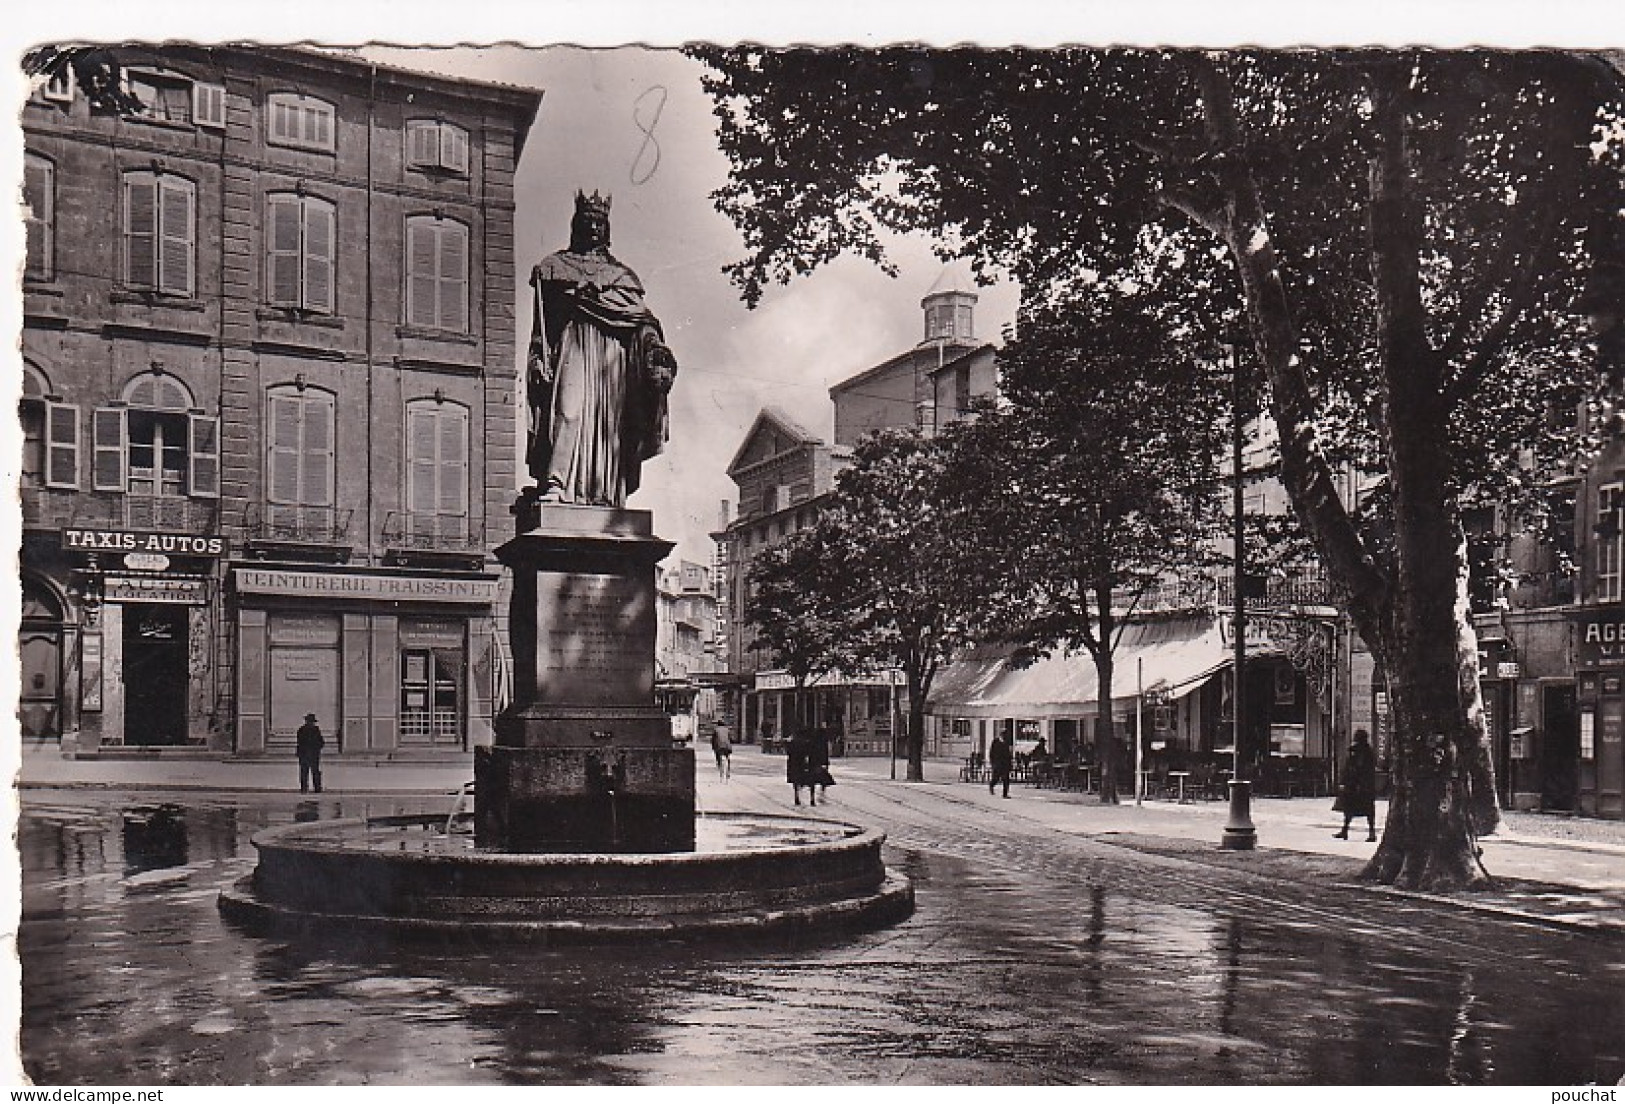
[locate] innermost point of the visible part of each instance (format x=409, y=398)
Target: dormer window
x=435, y=146
x=303, y=122
x=59, y=86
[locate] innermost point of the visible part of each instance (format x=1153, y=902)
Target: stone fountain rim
x=296, y=837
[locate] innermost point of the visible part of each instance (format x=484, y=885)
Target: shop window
x=160, y=227
x=429, y=696
x=1610, y=541
x=303, y=122
x=39, y=201
x=154, y=445
x=436, y=146
x=300, y=444
x=437, y=459
x=437, y=273
x=300, y=252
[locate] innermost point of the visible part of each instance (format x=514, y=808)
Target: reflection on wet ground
x=1025, y=963
x=435, y=834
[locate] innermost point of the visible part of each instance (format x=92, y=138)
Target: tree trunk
x=1106, y=727
x=916, y=726
x=1440, y=739
x=1417, y=622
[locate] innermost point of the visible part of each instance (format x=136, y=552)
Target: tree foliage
x=1092, y=484
x=794, y=607
x=1404, y=236
x=893, y=541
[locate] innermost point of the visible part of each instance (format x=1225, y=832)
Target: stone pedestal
x=583, y=758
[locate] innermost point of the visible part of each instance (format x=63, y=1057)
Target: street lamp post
x=1239, y=833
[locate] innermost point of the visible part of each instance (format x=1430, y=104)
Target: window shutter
x=209, y=105
x=420, y=277
x=61, y=445
x=175, y=263
x=283, y=278
x=317, y=478
x=39, y=195
x=454, y=277
x=140, y=232
x=110, y=434
x=282, y=486
x=454, y=149
x=421, y=461
x=281, y=120
x=420, y=144
x=205, y=456
x=318, y=256
x=453, y=498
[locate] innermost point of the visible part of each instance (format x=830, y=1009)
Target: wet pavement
x=1034, y=957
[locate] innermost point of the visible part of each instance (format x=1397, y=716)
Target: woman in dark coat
x=799, y=769
x=1358, y=794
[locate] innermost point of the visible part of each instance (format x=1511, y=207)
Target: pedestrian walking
x=999, y=758
x=722, y=746
x=820, y=762
x=309, y=745
x=798, y=766
x=1357, y=795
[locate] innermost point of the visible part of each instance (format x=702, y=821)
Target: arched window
x=436, y=459
x=160, y=232
x=437, y=273
x=39, y=198
x=304, y=122
x=155, y=445
x=436, y=146
x=299, y=445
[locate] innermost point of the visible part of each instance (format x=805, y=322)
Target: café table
x=1181, y=776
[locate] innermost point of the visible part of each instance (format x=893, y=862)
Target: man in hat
x=310, y=754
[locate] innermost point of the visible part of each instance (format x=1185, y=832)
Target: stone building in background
x=269, y=404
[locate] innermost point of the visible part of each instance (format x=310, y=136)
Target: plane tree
x=1092, y=488
x=1400, y=239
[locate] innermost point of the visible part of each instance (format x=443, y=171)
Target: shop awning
x=1178, y=655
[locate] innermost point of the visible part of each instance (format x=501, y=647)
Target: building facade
x=269, y=404
x=784, y=475
x=1174, y=679
x=1550, y=615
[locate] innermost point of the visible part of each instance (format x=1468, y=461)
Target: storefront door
x=155, y=689
x=39, y=649
x=1559, y=748
x=303, y=680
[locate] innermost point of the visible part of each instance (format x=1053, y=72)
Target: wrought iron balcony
x=429, y=538
x=319, y=531
x=1306, y=588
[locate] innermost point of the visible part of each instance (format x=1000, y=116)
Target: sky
x=636, y=124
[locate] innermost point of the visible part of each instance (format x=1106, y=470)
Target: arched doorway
x=39, y=648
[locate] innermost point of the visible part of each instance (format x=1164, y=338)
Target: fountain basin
x=405, y=875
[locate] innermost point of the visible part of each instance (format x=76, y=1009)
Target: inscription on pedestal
x=595, y=640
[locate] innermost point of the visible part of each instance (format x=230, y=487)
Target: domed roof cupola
x=950, y=308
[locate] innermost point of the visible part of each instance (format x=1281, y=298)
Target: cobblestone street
x=1037, y=954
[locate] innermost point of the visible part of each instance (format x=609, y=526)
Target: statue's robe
x=595, y=388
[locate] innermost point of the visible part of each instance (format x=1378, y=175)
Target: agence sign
x=1601, y=641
